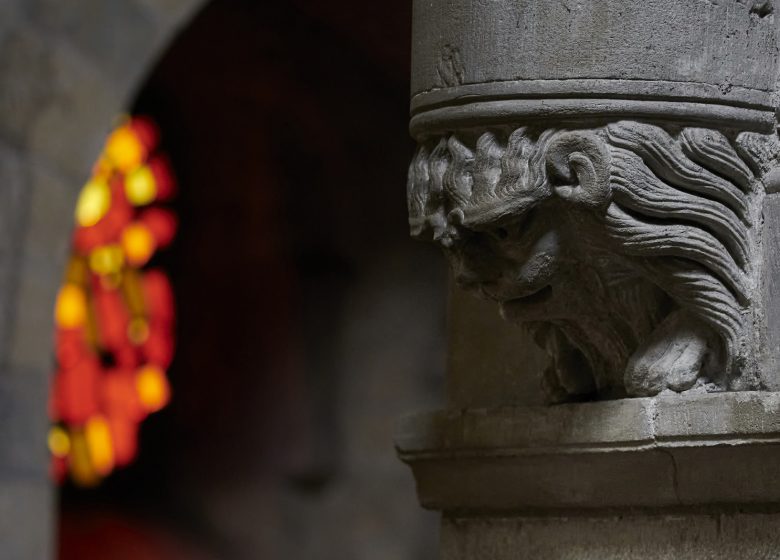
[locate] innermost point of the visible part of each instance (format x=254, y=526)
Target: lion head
x=626, y=248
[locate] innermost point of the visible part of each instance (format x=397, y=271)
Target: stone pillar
x=603, y=173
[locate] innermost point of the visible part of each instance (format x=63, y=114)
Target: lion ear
x=578, y=168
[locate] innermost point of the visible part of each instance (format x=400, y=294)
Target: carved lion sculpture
x=626, y=248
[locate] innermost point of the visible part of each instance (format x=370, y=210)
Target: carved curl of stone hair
x=680, y=205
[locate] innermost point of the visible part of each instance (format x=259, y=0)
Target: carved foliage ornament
x=629, y=250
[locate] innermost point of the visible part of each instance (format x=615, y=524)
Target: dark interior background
x=307, y=320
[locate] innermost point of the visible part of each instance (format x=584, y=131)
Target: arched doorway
x=65, y=70
x=315, y=99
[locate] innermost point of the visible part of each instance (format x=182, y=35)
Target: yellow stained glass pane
x=81, y=468
x=140, y=186
x=152, y=387
x=107, y=259
x=138, y=243
x=101, y=449
x=59, y=442
x=93, y=203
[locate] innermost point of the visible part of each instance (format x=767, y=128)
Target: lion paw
x=671, y=358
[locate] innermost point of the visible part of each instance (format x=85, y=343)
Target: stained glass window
x=114, y=314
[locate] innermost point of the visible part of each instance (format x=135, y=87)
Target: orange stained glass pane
x=124, y=149
x=71, y=307
x=152, y=387
x=138, y=243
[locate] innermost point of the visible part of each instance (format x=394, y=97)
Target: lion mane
x=679, y=205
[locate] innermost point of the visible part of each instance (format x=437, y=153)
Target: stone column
x=603, y=173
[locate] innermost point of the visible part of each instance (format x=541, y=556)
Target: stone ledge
x=683, y=450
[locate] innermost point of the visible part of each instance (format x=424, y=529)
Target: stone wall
x=66, y=70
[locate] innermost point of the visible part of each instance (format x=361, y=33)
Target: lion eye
x=501, y=233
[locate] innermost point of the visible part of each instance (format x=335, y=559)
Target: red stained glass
x=115, y=313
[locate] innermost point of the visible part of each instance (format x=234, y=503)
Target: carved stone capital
x=630, y=249
x=606, y=193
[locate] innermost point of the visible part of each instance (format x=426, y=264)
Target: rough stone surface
x=770, y=288
x=14, y=178
x=544, y=126
x=27, y=511
x=628, y=251
x=101, y=36
x=605, y=190
x=65, y=71
x=27, y=84
x=83, y=108
x=633, y=537
x=41, y=259
x=628, y=453
x=23, y=450
x=684, y=42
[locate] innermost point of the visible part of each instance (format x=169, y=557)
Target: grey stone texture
x=25, y=64
x=14, y=177
x=601, y=49
x=689, y=450
x=627, y=537
x=27, y=507
x=66, y=70
x=604, y=189
x=40, y=259
x=109, y=44
x=653, y=40
x=638, y=278
x=770, y=288
x=539, y=123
